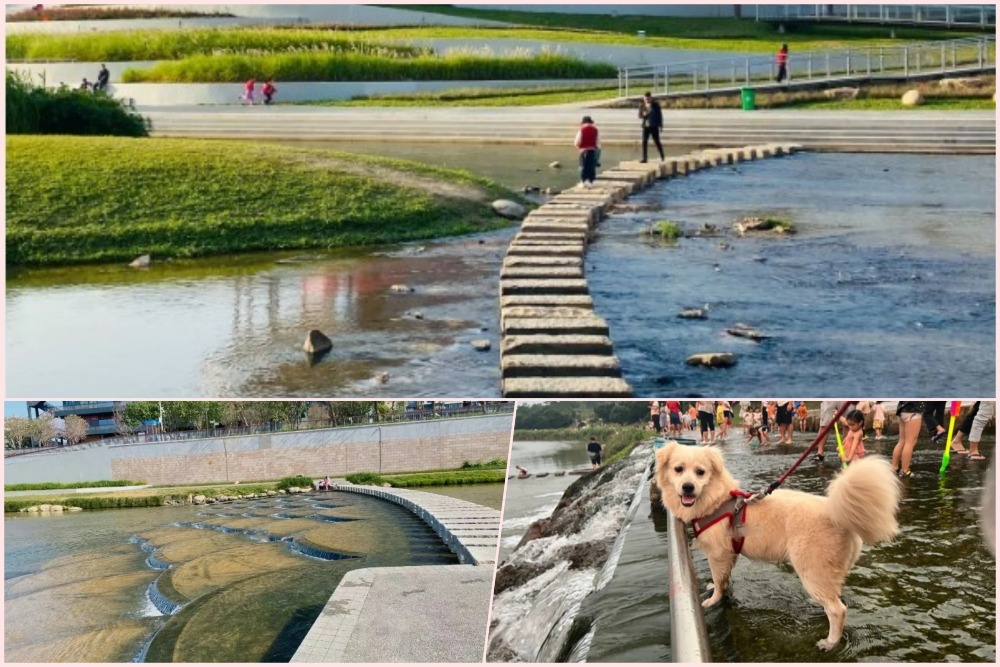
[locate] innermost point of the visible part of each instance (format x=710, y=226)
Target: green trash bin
x=748, y=96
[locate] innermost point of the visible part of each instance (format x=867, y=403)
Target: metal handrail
x=688, y=636
x=944, y=56
x=981, y=16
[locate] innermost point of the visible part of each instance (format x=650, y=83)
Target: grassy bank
x=365, y=67
x=32, y=109
x=44, y=486
x=618, y=441
x=187, y=198
x=482, y=97
x=443, y=478
x=95, y=13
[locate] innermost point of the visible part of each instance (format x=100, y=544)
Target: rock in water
x=693, y=314
x=401, y=289
x=712, y=359
x=199, y=500
x=555, y=165
x=140, y=262
x=481, y=344
x=317, y=342
x=508, y=209
x=746, y=331
x=912, y=98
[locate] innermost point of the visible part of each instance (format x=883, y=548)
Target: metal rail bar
x=969, y=16
x=688, y=637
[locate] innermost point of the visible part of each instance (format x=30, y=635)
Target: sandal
x=976, y=457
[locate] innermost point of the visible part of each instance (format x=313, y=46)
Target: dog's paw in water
x=826, y=644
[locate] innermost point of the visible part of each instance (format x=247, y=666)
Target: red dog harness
x=736, y=510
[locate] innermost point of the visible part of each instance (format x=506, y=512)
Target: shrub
x=300, y=481
x=36, y=110
x=484, y=465
x=365, y=478
x=667, y=230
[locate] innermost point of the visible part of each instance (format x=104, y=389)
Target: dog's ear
x=663, y=455
x=715, y=461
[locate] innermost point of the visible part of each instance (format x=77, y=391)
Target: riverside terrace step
x=566, y=387
x=472, y=531
x=559, y=365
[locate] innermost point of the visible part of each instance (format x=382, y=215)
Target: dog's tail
x=864, y=499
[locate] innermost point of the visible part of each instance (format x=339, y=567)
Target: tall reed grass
x=365, y=67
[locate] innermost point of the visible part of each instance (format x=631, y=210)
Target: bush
x=667, y=230
x=485, y=465
x=36, y=110
x=365, y=478
x=300, y=481
x=42, y=486
x=87, y=503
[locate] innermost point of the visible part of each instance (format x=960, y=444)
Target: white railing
x=971, y=16
x=972, y=54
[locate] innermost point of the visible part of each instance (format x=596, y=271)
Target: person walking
x=652, y=122
x=268, y=90
x=588, y=142
x=910, y=415
x=594, y=449
x=248, y=89
x=103, y=76
x=781, y=60
x=706, y=419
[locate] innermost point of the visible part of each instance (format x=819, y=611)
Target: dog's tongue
x=688, y=500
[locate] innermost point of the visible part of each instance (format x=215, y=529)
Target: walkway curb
x=554, y=348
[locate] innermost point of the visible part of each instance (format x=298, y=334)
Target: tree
x=16, y=432
x=545, y=415
x=74, y=429
x=290, y=413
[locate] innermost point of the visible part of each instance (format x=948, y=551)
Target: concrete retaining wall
x=427, y=445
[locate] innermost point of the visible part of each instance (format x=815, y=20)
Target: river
x=90, y=586
x=891, y=247
x=929, y=596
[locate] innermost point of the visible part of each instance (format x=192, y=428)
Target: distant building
x=99, y=415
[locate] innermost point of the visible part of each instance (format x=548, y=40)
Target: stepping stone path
x=553, y=344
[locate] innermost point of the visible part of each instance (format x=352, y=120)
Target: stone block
x=591, y=325
x=559, y=365
x=542, y=271
x=566, y=387
x=553, y=344
x=511, y=286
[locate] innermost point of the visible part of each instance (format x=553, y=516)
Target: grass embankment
x=481, y=97
x=44, y=486
x=618, y=441
x=96, y=13
x=81, y=199
x=484, y=472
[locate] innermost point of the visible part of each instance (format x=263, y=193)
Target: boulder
x=912, y=98
x=317, y=342
x=210, y=501
x=961, y=83
x=199, y=499
x=712, y=359
x=693, y=314
x=190, y=499
x=401, y=289
x=33, y=508
x=555, y=165
x=752, y=225
x=56, y=508
x=45, y=508
x=141, y=262
x=70, y=508
x=271, y=494
x=508, y=209
x=282, y=492
x=481, y=344
x=741, y=330
x=381, y=378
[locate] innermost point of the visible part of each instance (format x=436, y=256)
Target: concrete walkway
x=849, y=131
x=57, y=492
x=434, y=613
x=472, y=531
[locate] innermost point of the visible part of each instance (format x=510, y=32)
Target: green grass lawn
x=480, y=97
x=102, y=199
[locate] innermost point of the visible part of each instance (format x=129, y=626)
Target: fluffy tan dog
x=820, y=537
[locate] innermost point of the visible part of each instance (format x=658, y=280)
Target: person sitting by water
x=85, y=86
x=521, y=472
x=324, y=484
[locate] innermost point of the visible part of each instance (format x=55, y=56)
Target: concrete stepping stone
x=571, y=250
x=541, y=272
x=546, y=300
x=530, y=237
x=550, y=226
x=619, y=188
x=524, y=312
x=542, y=260
x=559, y=365
x=591, y=325
x=574, y=387
x=510, y=286
x=569, y=344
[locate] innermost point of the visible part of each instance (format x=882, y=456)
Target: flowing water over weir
x=927, y=597
x=155, y=584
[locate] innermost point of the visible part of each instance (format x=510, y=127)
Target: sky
x=19, y=408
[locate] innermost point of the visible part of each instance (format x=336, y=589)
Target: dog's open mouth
x=688, y=501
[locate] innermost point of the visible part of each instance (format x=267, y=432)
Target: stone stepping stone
x=556, y=216
x=548, y=312
x=618, y=188
x=509, y=286
x=541, y=271
x=570, y=344
x=556, y=227
x=575, y=387
x=548, y=300
x=549, y=238
x=712, y=359
x=559, y=365
x=592, y=325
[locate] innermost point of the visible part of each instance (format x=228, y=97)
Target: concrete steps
x=553, y=344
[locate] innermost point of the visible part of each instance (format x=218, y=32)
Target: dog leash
x=823, y=433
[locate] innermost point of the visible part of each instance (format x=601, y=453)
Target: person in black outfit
x=102, y=79
x=652, y=122
x=594, y=449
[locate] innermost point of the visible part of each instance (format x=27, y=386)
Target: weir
x=553, y=343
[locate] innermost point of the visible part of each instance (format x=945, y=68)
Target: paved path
x=873, y=131
x=472, y=531
x=434, y=613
